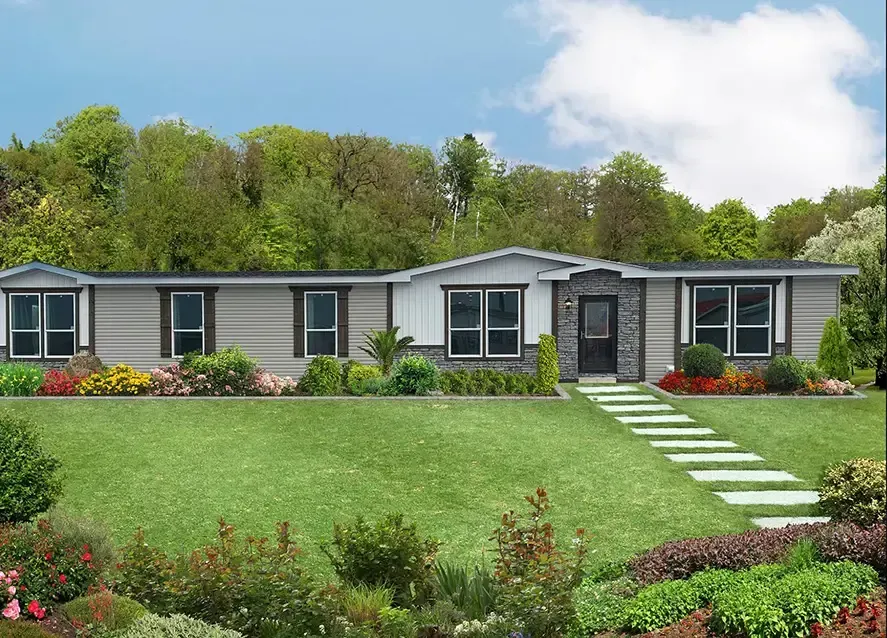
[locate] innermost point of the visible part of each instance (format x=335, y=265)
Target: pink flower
x=11, y=590
x=13, y=574
x=12, y=610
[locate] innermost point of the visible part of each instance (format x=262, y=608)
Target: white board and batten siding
x=659, y=328
x=419, y=305
x=43, y=279
x=814, y=299
x=257, y=317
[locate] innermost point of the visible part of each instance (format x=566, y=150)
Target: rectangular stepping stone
x=643, y=407
x=713, y=457
x=785, y=521
x=656, y=418
x=770, y=497
x=672, y=431
x=742, y=475
x=623, y=398
x=605, y=389
x=691, y=444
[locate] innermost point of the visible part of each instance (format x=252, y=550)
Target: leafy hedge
x=486, y=382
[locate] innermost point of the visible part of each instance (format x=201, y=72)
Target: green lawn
x=174, y=467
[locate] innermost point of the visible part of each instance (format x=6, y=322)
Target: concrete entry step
x=649, y=407
x=601, y=379
x=713, y=457
x=606, y=389
x=656, y=418
x=785, y=521
x=672, y=431
x=623, y=398
x=693, y=444
x=770, y=497
x=743, y=476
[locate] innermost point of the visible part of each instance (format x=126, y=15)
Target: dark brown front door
x=597, y=333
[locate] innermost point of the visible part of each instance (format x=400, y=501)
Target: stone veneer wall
x=50, y=364
x=628, y=338
x=747, y=365
x=438, y=355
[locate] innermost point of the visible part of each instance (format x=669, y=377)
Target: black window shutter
x=209, y=321
x=298, y=322
x=165, y=323
x=342, y=322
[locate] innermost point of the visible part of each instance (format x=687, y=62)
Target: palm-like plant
x=383, y=346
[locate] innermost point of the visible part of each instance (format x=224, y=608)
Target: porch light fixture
x=568, y=303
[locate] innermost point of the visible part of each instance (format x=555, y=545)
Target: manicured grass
x=862, y=375
x=174, y=467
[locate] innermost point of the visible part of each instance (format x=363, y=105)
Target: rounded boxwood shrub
x=548, y=371
x=414, y=375
x=30, y=484
x=175, y=626
x=323, y=376
x=704, y=360
x=834, y=351
x=785, y=373
x=855, y=491
x=359, y=374
x=105, y=609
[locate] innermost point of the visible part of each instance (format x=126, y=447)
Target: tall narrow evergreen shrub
x=547, y=370
x=834, y=351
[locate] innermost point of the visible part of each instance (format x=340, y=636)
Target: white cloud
x=756, y=108
x=487, y=139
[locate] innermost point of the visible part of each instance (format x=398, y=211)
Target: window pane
x=321, y=343
x=712, y=306
x=59, y=344
x=321, y=310
x=503, y=309
x=59, y=312
x=465, y=309
x=464, y=342
x=597, y=319
x=503, y=342
x=25, y=312
x=752, y=340
x=753, y=306
x=715, y=336
x=25, y=344
x=187, y=312
x=186, y=342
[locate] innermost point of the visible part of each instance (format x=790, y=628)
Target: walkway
x=669, y=430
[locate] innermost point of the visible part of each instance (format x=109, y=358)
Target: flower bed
x=735, y=382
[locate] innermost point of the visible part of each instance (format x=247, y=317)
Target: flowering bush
x=733, y=381
x=119, y=380
x=179, y=381
x=19, y=379
x=58, y=384
x=830, y=387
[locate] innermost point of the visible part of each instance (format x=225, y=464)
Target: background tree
x=730, y=231
x=789, y=226
x=464, y=161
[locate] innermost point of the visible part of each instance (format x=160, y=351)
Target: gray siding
x=39, y=279
x=367, y=310
x=660, y=328
x=127, y=326
x=814, y=299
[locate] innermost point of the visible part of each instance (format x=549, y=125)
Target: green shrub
x=704, y=360
x=346, y=368
x=602, y=605
x=384, y=346
x=358, y=374
x=227, y=371
x=855, y=491
x=20, y=379
x=176, y=626
x=376, y=386
x=548, y=372
x=389, y=553
x=812, y=371
x=105, y=610
x=323, y=377
x=78, y=531
x=803, y=555
x=785, y=374
x=483, y=381
x=473, y=592
x=22, y=629
x=834, y=351
x=414, y=375
x=30, y=484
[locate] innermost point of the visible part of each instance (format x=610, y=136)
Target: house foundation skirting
x=46, y=364
x=438, y=355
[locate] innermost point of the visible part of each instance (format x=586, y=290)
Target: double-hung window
x=187, y=323
x=484, y=323
x=503, y=323
x=321, y=329
x=752, y=320
x=711, y=316
x=42, y=325
x=464, y=307
x=60, y=334
x=24, y=326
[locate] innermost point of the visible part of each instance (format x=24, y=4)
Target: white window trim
x=39, y=330
x=334, y=329
x=47, y=330
x=480, y=330
x=486, y=309
x=768, y=325
x=726, y=326
x=172, y=322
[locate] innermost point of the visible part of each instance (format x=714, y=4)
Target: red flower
x=843, y=615
x=816, y=630
x=40, y=613
x=48, y=556
x=86, y=557
x=63, y=579
x=33, y=606
x=872, y=626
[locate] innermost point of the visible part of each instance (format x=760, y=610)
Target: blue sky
x=411, y=71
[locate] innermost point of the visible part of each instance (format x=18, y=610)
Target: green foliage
x=42, y=229
x=803, y=555
x=485, y=381
x=389, y=554
x=20, y=379
x=812, y=371
x=22, y=629
x=80, y=530
x=384, y=346
x=548, y=372
x=104, y=610
x=323, y=377
x=602, y=605
x=175, y=626
x=785, y=374
x=31, y=483
x=227, y=371
x=704, y=360
x=376, y=386
x=472, y=592
x=834, y=351
x=359, y=374
x=414, y=375
x=363, y=605
x=855, y=491
x=730, y=231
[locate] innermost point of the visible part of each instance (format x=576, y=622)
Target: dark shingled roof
x=241, y=273
x=738, y=264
